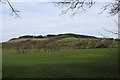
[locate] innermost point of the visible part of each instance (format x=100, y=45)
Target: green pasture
x=66, y=63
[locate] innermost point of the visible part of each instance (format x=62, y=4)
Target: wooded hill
x=57, y=36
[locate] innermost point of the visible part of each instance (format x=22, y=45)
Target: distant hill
x=60, y=41
x=55, y=36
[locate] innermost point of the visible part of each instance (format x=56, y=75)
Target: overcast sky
x=42, y=18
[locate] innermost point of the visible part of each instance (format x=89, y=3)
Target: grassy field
x=60, y=57
x=66, y=63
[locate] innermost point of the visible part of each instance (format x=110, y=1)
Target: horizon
x=43, y=18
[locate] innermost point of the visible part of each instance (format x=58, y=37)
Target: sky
x=42, y=18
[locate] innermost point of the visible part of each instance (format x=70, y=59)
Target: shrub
x=105, y=44
x=93, y=44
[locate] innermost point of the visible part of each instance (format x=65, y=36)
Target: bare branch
x=111, y=8
x=75, y=5
x=82, y=5
x=15, y=11
x=103, y=35
x=112, y=31
x=118, y=25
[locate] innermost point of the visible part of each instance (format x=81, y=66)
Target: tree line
x=52, y=35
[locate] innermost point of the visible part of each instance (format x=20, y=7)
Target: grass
x=72, y=40
x=71, y=63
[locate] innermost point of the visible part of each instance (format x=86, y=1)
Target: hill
x=51, y=36
x=60, y=41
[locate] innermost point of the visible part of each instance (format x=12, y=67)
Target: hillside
x=51, y=36
x=60, y=41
